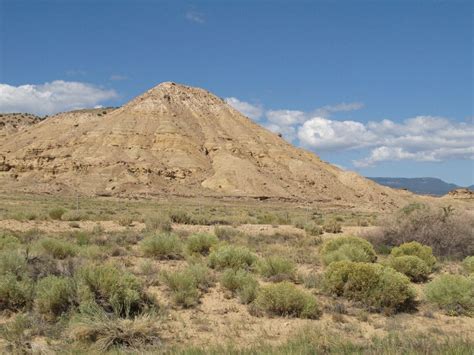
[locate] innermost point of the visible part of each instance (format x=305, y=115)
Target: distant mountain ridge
x=424, y=186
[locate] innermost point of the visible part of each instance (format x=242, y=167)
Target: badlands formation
x=175, y=140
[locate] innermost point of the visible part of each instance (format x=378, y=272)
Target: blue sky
x=381, y=87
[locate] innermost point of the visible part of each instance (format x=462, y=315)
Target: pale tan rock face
x=175, y=140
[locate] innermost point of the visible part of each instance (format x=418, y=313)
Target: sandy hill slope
x=13, y=122
x=176, y=140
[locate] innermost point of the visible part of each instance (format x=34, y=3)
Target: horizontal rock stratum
x=175, y=140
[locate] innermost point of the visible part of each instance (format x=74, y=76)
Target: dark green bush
x=200, y=243
x=276, y=268
x=15, y=293
x=232, y=257
x=55, y=295
x=453, y=293
x=285, y=299
x=162, y=246
x=373, y=285
x=241, y=283
x=411, y=266
x=424, y=252
x=347, y=248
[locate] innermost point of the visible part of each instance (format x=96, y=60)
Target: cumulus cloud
x=422, y=138
x=52, y=97
x=253, y=111
x=194, y=16
x=285, y=117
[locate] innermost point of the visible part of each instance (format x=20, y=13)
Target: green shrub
x=453, y=293
x=285, y=299
x=162, y=246
x=312, y=228
x=112, y=288
x=58, y=249
x=468, y=264
x=74, y=216
x=225, y=233
x=55, y=295
x=411, y=266
x=276, y=268
x=8, y=242
x=158, y=223
x=15, y=293
x=232, y=257
x=185, y=284
x=332, y=226
x=57, y=213
x=371, y=284
x=11, y=262
x=347, y=248
x=241, y=283
x=181, y=217
x=200, y=243
x=424, y=252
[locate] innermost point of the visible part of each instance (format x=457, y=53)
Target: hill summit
x=175, y=140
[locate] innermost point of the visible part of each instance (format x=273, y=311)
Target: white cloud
x=195, y=16
x=422, y=138
x=253, y=111
x=286, y=117
x=325, y=134
x=52, y=97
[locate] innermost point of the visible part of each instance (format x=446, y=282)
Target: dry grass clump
x=200, y=243
x=107, y=332
x=241, y=283
x=162, y=246
x=233, y=257
x=448, y=232
x=226, y=233
x=332, y=226
x=285, y=299
x=276, y=268
x=453, y=293
x=376, y=286
x=347, y=248
x=158, y=223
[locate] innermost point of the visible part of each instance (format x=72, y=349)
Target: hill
x=181, y=141
x=424, y=186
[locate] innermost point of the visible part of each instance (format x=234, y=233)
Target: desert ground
x=103, y=274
